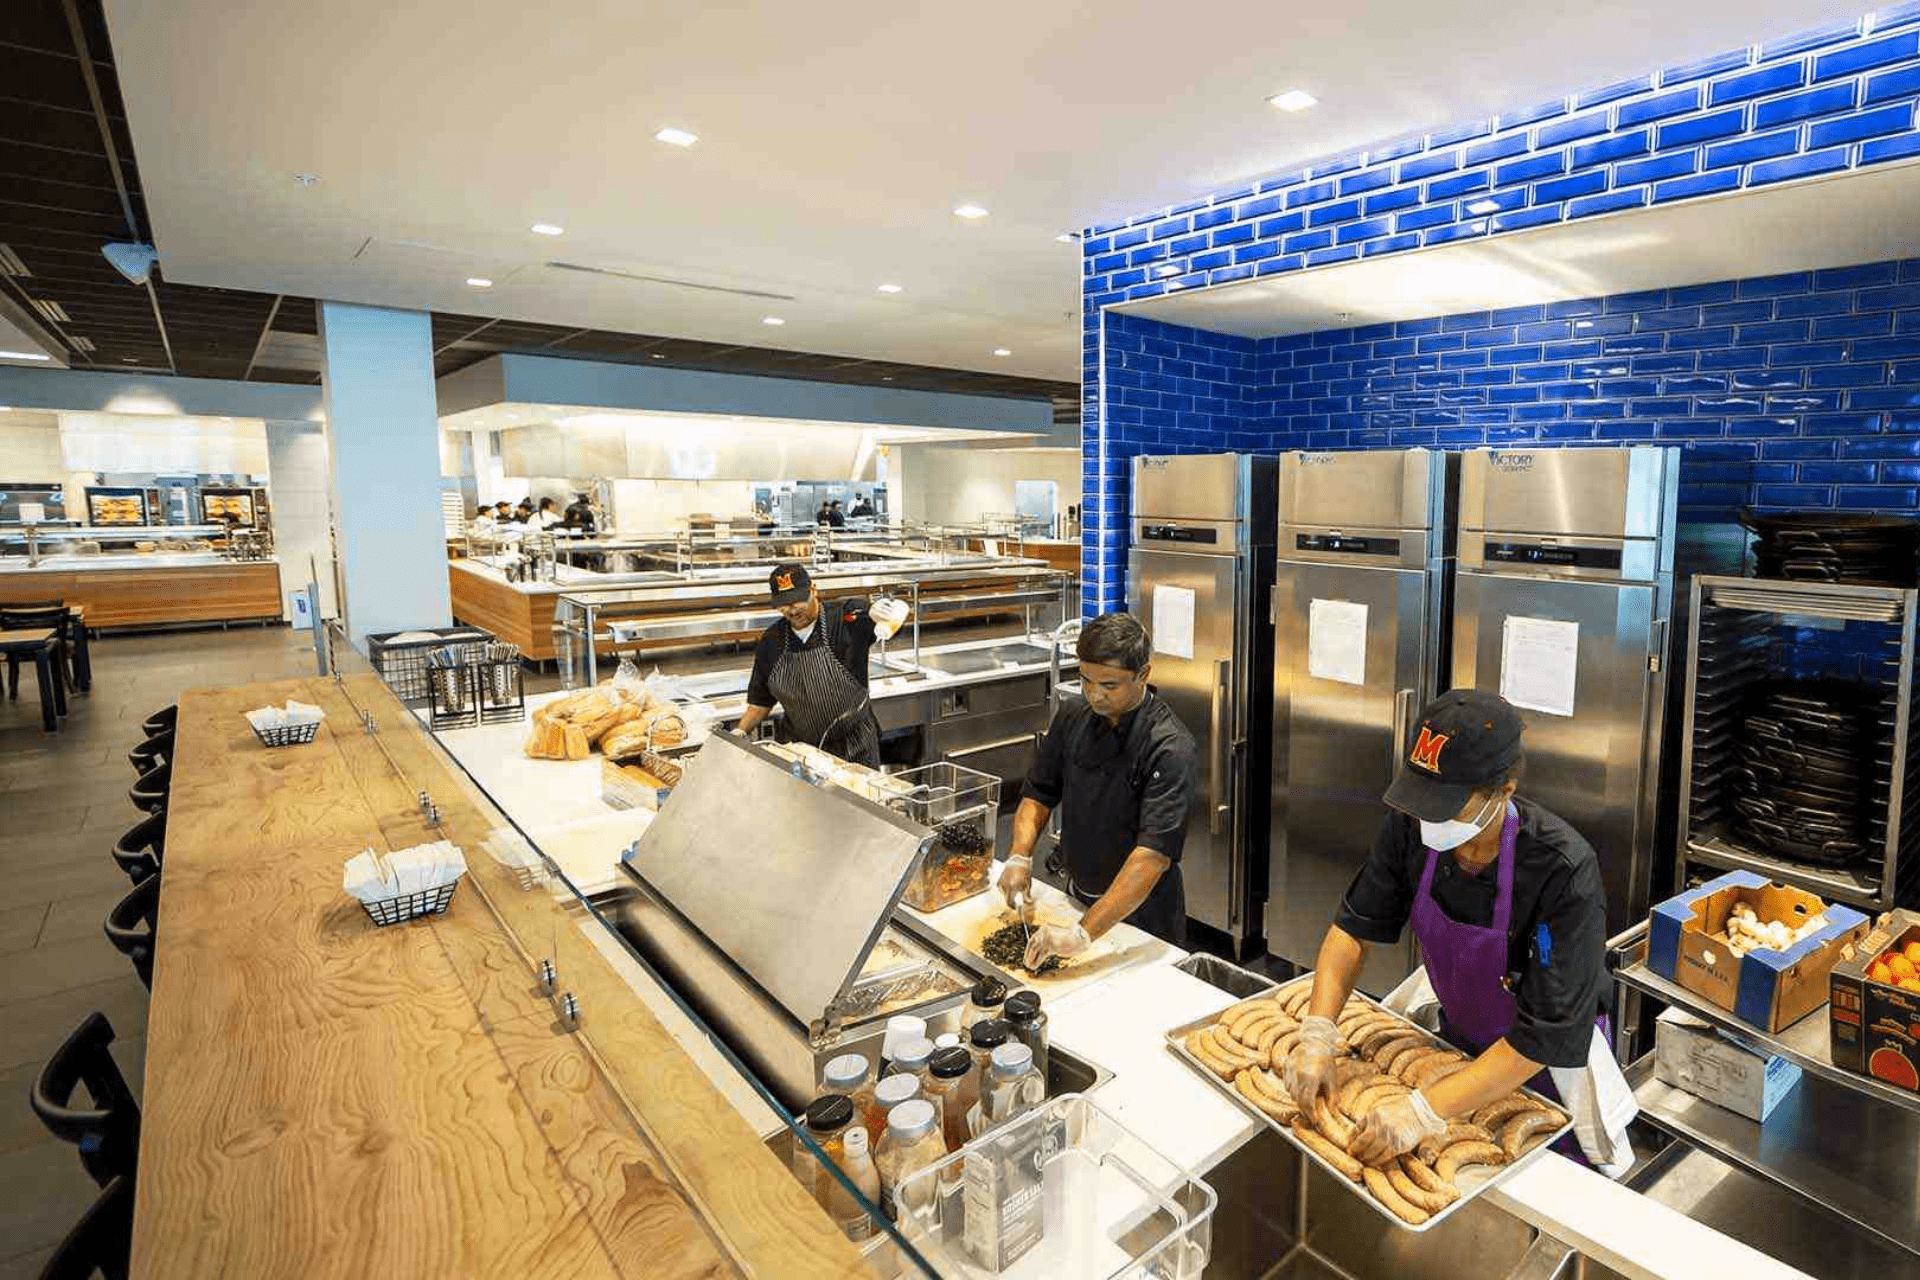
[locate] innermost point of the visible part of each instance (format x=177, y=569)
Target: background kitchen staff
x=813, y=663
x=1507, y=903
x=1124, y=766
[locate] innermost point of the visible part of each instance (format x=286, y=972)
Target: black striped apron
x=824, y=704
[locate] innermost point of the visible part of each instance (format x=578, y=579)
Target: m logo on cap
x=784, y=582
x=1426, y=749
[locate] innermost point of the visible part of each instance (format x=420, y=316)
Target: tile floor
x=63, y=802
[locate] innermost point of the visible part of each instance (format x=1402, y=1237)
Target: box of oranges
x=1875, y=1024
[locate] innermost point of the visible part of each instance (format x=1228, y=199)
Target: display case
x=41, y=502
x=83, y=545
x=122, y=506
x=242, y=506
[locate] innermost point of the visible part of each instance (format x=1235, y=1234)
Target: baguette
x=576, y=742
x=1295, y=1002
x=1201, y=1047
x=1407, y=1061
x=1384, y=1054
x=1332, y=1123
x=1462, y=1154
x=1375, y=1094
x=1243, y=1015
x=1249, y=1030
x=1269, y=1038
x=1491, y=1116
x=1327, y=1151
x=1383, y=1190
x=1422, y=1175
x=1514, y=1138
x=1430, y=1148
x=1227, y=1049
x=1385, y=1034
x=1413, y=1193
x=1438, y=1067
x=1243, y=1084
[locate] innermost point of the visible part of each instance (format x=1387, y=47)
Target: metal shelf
x=1805, y=1043
x=1829, y=882
x=1828, y=1144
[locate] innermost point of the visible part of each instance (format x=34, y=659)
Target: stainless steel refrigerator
x=1200, y=564
x=1359, y=614
x=1563, y=603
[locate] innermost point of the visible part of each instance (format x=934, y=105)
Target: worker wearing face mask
x=1507, y=903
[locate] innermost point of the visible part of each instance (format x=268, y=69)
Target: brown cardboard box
x=1769, y=989
x=1874, y=1029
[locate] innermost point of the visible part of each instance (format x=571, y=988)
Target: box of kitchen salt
x=1874, y=1026
x=1688, y=945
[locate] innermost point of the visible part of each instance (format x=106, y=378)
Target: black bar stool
x=140, y=851
x=101, y=1243
x=132, y=923
x=149, y=795
x=108, y=1133
x=41, y=615
x=161, y=721
x=152, y=753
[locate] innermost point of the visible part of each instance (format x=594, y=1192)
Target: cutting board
x=1124, y=947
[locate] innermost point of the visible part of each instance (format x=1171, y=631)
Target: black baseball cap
x=789, y=584
x=1463, y=739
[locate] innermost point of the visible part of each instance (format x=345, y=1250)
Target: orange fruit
x=1912, y=952
x=1901, y=967
x=1880, y=972
x=1910, y=984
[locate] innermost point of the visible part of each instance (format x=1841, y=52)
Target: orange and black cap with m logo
x=789, y=584
x=1462, y=740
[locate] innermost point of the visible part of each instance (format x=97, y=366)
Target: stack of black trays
x=1822, y=546
x=1803, y=772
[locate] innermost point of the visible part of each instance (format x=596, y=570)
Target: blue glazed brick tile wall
x=1797, y=392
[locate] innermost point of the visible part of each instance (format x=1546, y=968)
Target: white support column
x=383, y=444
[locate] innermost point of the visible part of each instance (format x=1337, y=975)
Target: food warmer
x=771, y=903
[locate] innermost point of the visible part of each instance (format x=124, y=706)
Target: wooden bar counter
x=154, y=594
x=326, y=1098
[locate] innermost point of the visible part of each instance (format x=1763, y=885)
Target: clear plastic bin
x=1110, y=1206
x=962, y=808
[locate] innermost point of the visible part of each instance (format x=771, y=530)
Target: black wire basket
x=286, y=735
x=411, y=906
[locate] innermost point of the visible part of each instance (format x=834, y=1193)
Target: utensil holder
x=287, y=735
x=411, y=906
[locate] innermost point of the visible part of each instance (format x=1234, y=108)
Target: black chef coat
x=1557, y=938
x=1122, y=787
x=852, y=639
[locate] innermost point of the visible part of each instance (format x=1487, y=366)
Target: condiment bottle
x=911, y=1143
x=827, y=1118
x=985, y=1037
x=901, y=1027
x=1029, y=1023
x=946, y=1040
x=851, y=1075
x=860, y=1171
x=955, y=1084
x=1012, y=1088
x=910, y=1057
x=888, y=1094
x=989, y=994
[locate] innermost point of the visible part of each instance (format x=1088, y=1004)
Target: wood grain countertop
x=325, y=1098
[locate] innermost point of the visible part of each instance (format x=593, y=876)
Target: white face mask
x=1453, y=833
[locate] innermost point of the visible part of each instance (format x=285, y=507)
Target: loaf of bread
x=665, y=728
x=598, y=727
x=626, y=741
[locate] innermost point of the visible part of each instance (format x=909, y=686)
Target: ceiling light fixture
x=1002, y=351
x=970, y=212
x=480, y=282
x=547, y=229
x=771, y=320
x=1066, y=237
x=1483, y=206
x=1293, y=100
x=676, y=137
x=23, y=355
x=889, y=288
x=306, y=179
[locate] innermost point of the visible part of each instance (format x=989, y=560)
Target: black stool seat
x=152, y=753
x=101, y=1243
x=149, y=795
x=140, y=851
x=130, y=926
x=161, y=721
x=108, y=1133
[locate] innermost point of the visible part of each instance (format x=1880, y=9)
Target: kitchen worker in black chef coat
x=1507, y=903
x=813, y=663
x=1123, y=767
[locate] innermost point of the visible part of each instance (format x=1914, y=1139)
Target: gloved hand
x=1395, y=1127
x=888, y=617
x=1016, y=885
x=1309, y=1070
x=1064, y=940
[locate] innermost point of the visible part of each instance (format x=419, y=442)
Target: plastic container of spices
x=827, y=1119
x=910, y=1057
x=911, y=1143
x=982, y=1039
x=851, y=1075
x=888, y=1094
x=860, y=1171
x=956, y=1085
x=1012, y=1088
x=1029, y=1025
x=989, y=994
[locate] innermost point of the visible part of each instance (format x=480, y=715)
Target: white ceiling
x=1858, y=217
x=697, y=427
x=835, y=139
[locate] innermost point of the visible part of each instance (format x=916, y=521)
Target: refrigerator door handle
x=1219, y=744
x=1402, y=718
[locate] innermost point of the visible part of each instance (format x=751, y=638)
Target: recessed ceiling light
x=654, y=355
x=1293, y=100
x=969, y=211
x=1483, y=206
x=676, y=137
x=1066, y=237
x=547, y=229
x=889, y=288
x=480, y=282
x=771, y=320
x=1002, y=351
x=23, y=355
x=306, y=179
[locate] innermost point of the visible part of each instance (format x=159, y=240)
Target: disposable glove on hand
x=1309, y=1070
x=888, y=617
x=1064, y=940
x=1395, y=1127
x=1016, y=885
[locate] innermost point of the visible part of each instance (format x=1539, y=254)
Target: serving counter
x=150, y=590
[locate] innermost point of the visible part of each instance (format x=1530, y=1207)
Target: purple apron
x=1467, y=965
